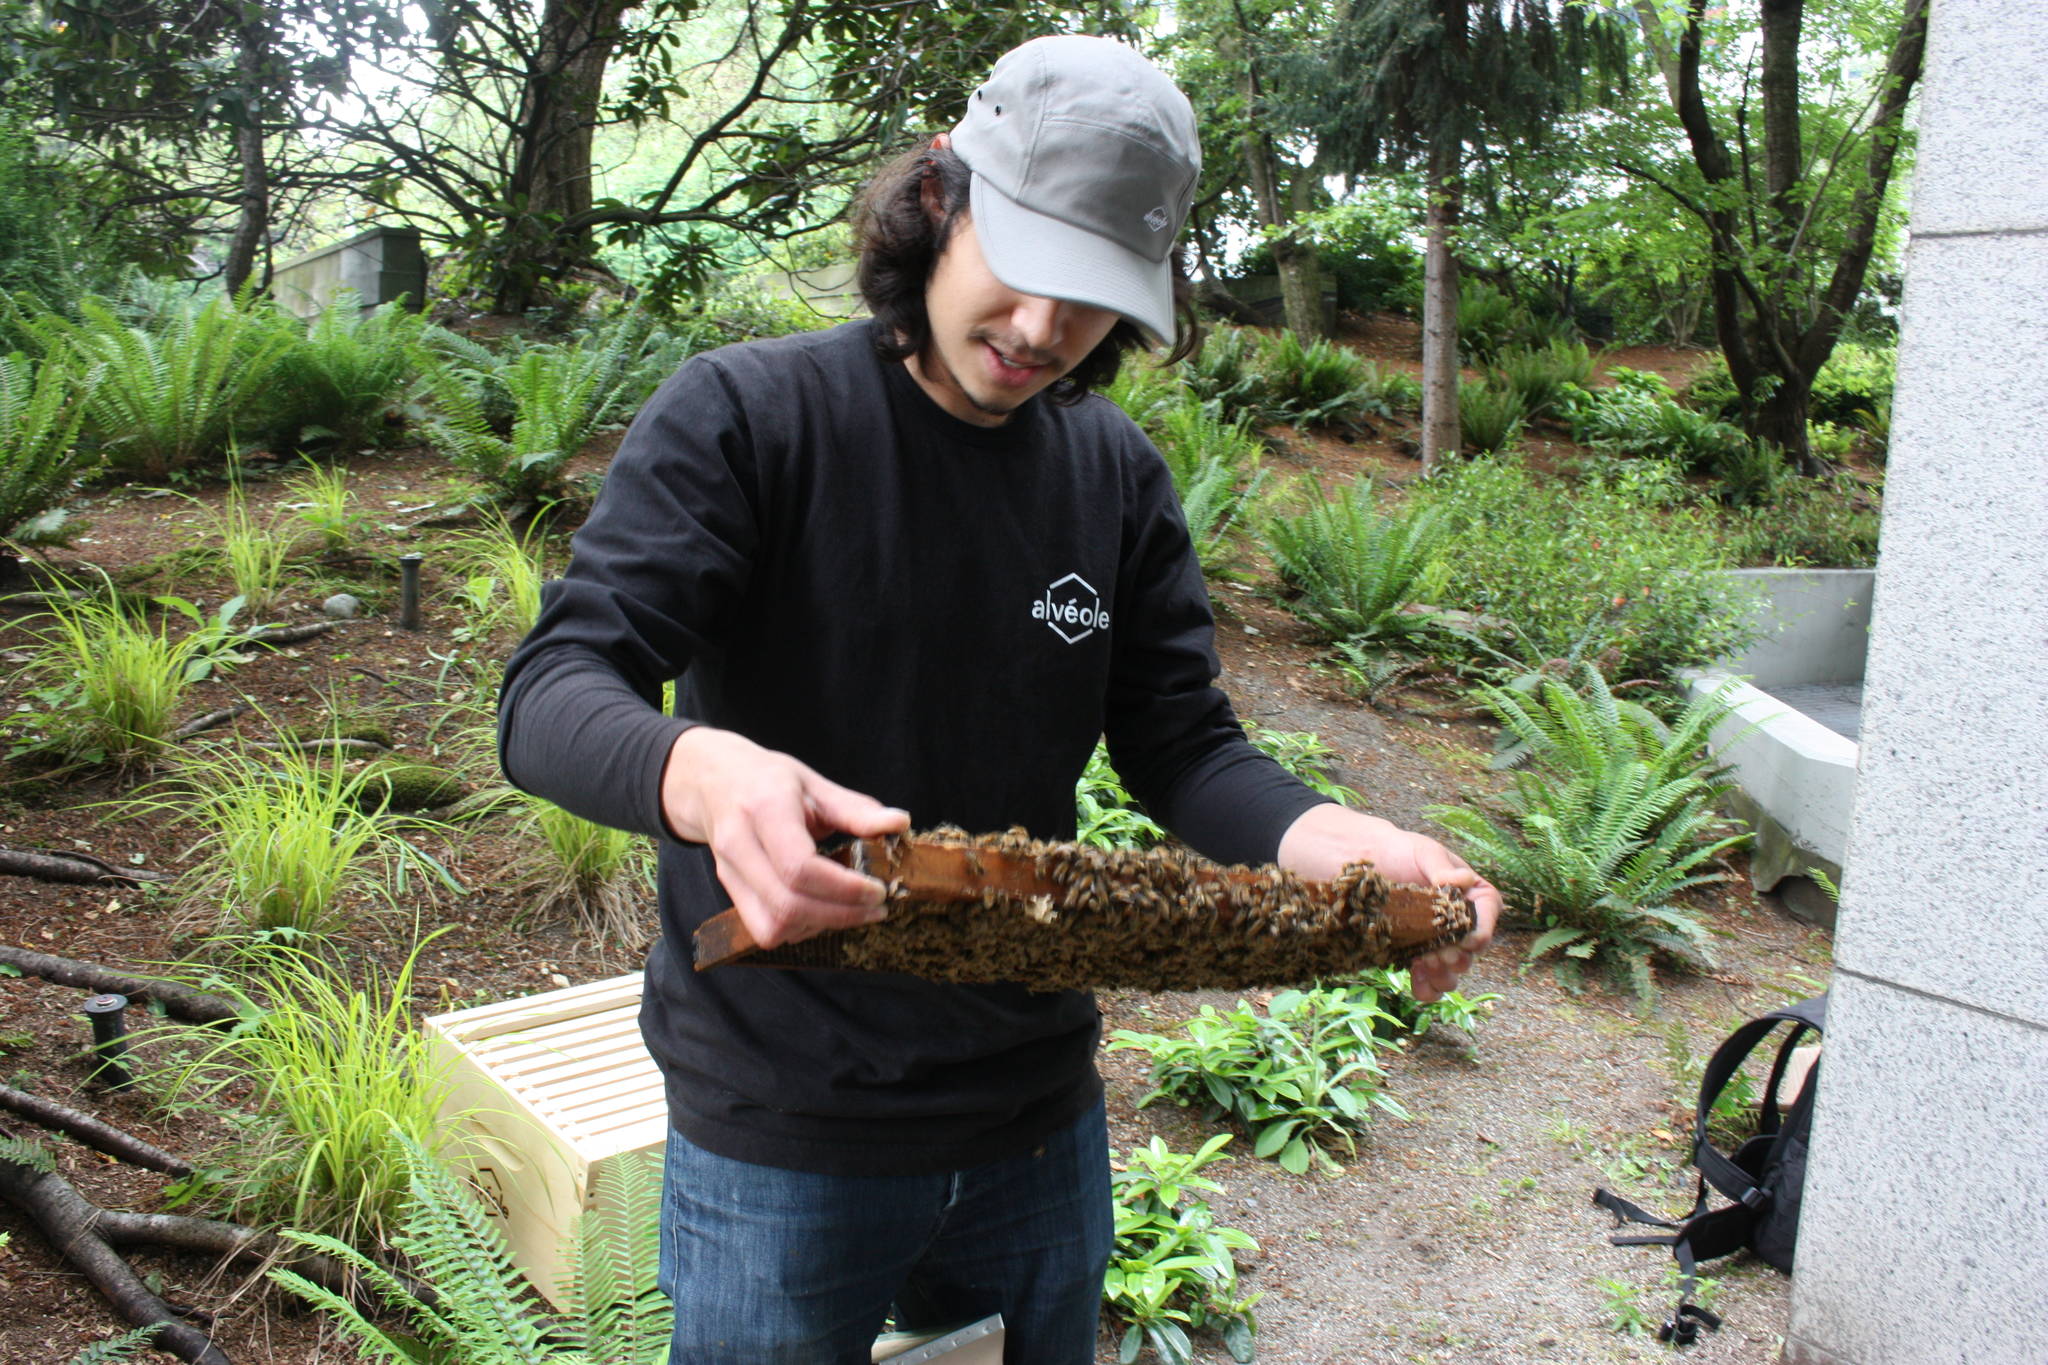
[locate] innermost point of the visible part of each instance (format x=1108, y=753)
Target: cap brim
x=1036, y=254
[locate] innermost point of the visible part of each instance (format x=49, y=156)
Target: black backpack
x=1764, y=1177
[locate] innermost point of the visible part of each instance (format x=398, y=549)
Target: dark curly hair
x=899, y=245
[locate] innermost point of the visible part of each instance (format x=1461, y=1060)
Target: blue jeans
x=774, y=1267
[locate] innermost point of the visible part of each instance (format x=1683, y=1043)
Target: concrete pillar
x=1924, y=1235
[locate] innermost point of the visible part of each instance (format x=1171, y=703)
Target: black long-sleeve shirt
x=941, y=615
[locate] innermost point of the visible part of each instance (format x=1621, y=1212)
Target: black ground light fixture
x=409, y=591
x=109, y=1017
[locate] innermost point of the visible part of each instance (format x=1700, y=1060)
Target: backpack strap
x=1716, y=1234
x=1721, y=1172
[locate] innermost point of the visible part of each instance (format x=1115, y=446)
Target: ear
x=930, y=194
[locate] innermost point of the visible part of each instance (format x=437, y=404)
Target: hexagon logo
x=1073, y=609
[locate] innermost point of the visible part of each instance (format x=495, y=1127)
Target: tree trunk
x=1781, y=421
x=253, y=224
x=1300, y=291
x=550, y=181
x=1442, y=433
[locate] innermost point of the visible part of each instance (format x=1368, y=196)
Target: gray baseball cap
x=1084, y=157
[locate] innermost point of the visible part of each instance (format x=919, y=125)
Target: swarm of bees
x=1161, y=919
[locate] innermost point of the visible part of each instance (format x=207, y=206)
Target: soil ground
x=1465, y=1234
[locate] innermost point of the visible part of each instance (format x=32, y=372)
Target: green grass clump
x=1354, y=566
x=113, y=679
x=344, y=1083
x=596, y=876
x=503, y=572
x=291, y=843
x=256, y=549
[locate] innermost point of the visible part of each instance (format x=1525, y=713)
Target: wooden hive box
x=546, y=1089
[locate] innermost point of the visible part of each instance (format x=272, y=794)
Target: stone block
x=1983, y=104
x=1925, y=1224
x=1948, y=847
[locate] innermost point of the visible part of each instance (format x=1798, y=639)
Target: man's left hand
x=1326, y=838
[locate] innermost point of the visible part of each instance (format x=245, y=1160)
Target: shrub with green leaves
x=1818, y=523
x=1174, y=1270
x=513, y=424
x=1394, y=991
x=1216, y=474
x=1354, y=566
x=1227, y=372
x=1146, y=391
x=176, y=394
x=1856, y=378
x=336, y=384
x=344, y=1086
x=41, y=460
x=1313, y=384
x=1541, y=376
x=289, y=846
x=1559, y=562
x=1489, y=321
x=1611, y=821
x=1304, y=754
x=1302, y=1077
x=1105, y=814
x=482, y=1310
x=1638, y=415
x=1490, y=416
x=109, y=680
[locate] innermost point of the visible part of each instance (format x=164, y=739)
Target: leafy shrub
x=1490, y=416
x=1311, y=385
x=335, y=384
x=1640, y=416
x=1539, y=375
x=1210, y=460
x=1755, y=472
x=1304, y=754
x=1489, y=321
x=1173, y=1270
x=1388, y=391
x=558, y=400
x=345, y=1087
x=40, y=458
x=1818, y=523
x=1395, y=992
x=1105, y=814
x=1361, y=250
x=483, y=1310
x=174, y=395
x=1613, y=819
x=1227, y=373
x=1146, y=392
x=110, y=681
x=1354, y=566
x=1302, y=1077
x=1856, y=378
x=289, y=844
x=1560, y=563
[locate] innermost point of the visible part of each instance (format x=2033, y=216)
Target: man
x=910, y=560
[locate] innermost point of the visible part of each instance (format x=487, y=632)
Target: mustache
x=1011, y=347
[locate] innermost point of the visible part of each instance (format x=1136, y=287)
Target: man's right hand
x=762, y=813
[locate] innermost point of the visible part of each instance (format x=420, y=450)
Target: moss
x=410, y=786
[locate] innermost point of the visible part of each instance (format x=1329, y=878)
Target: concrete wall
x=1925, y=1229
x=1823, y=629
x=380, y=265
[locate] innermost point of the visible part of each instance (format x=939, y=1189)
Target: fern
x=40, y=459
x=124, y=1347
x=558, y=397
x=1612, y=820
x=1355, y=567
x=23, y=1152
x=335, y=384
x=1490, y=416
x=483, y=1312
x=171, y=397
x=1541, y=377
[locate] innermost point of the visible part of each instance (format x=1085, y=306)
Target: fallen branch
x=210, y=721
x=288, y=635
x=68, y=1219
x=88, y=1237
x=94, y=1133
x=77, y=869
x=183, y=1002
